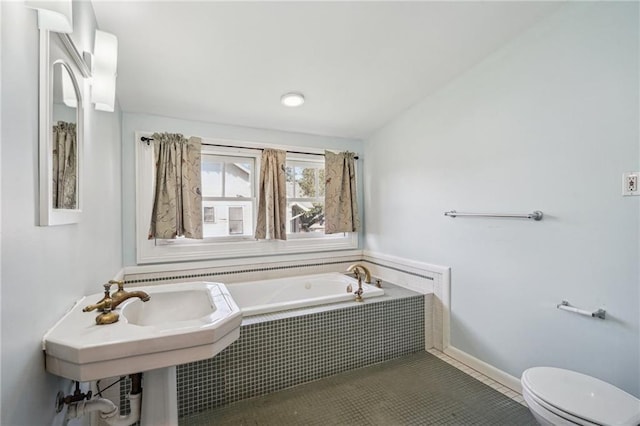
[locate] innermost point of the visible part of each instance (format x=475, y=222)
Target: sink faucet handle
x=120, y=292
x=103, y=304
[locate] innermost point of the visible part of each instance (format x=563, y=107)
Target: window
x=305, y=197
x=228, y=191
x=209, y=215
x=229, y=195
x=230, y=178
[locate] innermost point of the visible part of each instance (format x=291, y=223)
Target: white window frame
x=305, y=158
x=166, y=251
x=231, y=152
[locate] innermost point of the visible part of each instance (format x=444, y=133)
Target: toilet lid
x=582, y=396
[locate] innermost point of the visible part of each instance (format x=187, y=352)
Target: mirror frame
x=59, y=50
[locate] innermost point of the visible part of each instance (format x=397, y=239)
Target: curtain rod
x=148, y=140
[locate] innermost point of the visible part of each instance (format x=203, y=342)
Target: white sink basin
x=169, y=308
x=181, y=323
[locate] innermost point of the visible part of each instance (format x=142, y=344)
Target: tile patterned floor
x=418, y=389
x=479, y=376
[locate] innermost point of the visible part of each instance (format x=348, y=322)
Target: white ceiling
x=359, y=64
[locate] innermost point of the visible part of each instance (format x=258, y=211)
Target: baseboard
x=488, y=370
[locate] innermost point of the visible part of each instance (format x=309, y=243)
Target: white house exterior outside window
x=228, y=194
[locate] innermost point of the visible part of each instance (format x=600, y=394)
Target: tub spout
x=357, y=269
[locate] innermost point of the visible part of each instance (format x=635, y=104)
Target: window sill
x=150, y=252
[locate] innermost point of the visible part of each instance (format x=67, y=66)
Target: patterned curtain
x=340, y=204
x=177, y=204
x=64, y=166
x=272, y=204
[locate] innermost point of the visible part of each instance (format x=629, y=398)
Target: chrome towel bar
x=565, y=306
x=536, y=215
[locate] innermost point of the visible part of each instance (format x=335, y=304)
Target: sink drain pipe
x=109, y=412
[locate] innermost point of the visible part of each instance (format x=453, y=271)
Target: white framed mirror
x=62, y=117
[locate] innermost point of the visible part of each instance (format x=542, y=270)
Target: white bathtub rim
x=369, y=291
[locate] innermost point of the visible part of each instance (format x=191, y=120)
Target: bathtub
x=265, y=296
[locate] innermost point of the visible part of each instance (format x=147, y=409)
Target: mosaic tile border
x=239, y=271
x=169, y=277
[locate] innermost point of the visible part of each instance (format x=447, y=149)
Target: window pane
x=306, y=180
x=236, y=220
x=229, y=218
x=305, y=217
x=290, y=182
x=238, y=178
x=211, y=176
x=209, y=215
x=321, y=182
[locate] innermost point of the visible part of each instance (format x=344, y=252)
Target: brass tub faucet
x=357, y=269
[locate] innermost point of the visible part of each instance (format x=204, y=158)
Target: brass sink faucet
x=108, y=303
x=121, y=295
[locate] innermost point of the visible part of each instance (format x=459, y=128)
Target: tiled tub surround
x=389, y=327
x=430, y=280
x=280, y=350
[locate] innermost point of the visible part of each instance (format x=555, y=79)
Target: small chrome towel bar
x=566, y=306
x=536, y=215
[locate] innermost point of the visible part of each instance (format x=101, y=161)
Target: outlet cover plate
x=630, y=181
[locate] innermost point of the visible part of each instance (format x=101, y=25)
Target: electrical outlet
x=630, y=183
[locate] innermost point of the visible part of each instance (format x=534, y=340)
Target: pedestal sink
x=181, y=323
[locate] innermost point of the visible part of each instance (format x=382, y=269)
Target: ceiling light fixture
x=292, y=99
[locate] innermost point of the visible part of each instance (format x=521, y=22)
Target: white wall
x=549, y=122
x=45, y=269
x=151, y=123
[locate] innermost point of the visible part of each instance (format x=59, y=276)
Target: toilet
x=562, y=397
